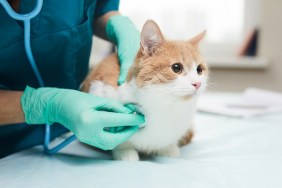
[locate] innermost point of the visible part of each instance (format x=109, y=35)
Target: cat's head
x=175, y=66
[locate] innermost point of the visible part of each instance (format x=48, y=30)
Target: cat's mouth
x=185, y=93
x=186, y=97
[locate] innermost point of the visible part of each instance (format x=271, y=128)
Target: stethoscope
x=26, y=19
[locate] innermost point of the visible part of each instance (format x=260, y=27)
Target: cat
x=164, y=82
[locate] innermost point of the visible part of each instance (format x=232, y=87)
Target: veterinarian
x=61, y=39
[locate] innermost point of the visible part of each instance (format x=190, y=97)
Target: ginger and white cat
x=164, y=82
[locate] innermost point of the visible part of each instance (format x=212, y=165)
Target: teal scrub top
x=61, y=39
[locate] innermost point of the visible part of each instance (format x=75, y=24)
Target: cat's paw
x=170, y=151
x=126, y=155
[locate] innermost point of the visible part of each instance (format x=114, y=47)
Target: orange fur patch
x=186, y=139
x=107, y=71
x=156, y=69
x=153, y=68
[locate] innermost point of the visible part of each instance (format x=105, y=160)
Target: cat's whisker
x=211, y=86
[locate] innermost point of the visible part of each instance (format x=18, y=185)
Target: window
x=227, y=22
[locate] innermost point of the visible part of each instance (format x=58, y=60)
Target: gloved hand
x=87, y=116
x=122, y=32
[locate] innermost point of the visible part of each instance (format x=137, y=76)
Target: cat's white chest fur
x=167, y=120
x=167, y=117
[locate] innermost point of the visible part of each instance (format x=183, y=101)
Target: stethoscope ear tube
x=26, y=19
x=22, y=17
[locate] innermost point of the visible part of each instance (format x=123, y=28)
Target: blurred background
x=243, y=43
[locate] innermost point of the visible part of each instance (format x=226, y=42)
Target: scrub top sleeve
x=2, y=87
x=104, y=6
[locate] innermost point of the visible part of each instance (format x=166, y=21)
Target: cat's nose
x=197, y=85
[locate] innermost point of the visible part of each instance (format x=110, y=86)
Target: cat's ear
x=151, y=37
x=198, y=38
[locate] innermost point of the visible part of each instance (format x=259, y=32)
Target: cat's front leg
x=169, y=151
x=125, y=152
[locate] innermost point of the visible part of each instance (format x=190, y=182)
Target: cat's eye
x=199, y=69
x=177, y=68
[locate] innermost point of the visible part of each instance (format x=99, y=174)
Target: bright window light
x=182, y=19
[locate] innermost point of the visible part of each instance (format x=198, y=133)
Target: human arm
x=10, y=107
x=100, y=24
x=121, y=31
x=85, y=115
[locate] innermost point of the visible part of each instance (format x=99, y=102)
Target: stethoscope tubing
x=22, y=17
x=26, y=19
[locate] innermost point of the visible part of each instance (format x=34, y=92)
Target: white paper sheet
x=252, y=102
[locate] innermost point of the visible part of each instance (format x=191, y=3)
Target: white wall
x=270, y=46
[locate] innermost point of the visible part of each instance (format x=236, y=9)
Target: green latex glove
x=87, y=116
x=122, y=32
x=134, y=110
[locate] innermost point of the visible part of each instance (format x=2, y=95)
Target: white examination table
x=226, y=152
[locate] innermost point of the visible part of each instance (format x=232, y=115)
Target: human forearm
x=86, y=115
x=101, y=22
x=10, y=107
